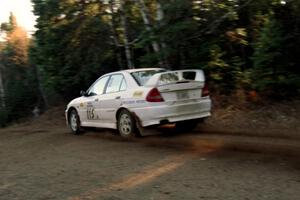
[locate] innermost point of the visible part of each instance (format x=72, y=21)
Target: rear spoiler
x=176, y=76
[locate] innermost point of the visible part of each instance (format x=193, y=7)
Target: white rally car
x=131, y=100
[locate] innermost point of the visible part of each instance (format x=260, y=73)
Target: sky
x=22, y=9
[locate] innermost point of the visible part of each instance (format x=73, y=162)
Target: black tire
x=74, y=122
x=126, y=124
x=186, y=126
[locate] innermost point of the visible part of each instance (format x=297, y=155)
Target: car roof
x=133, y=70
x=142, y=69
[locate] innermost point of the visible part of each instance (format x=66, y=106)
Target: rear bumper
x=154, y=115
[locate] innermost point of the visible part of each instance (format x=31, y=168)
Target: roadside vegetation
x=248, y=49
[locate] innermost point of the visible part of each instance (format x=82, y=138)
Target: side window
x=123, y=85
x=115, y=83
x=99, y=86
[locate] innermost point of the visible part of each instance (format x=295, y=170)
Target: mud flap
x=142, y=130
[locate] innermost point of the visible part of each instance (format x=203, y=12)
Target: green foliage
x=72, y=44
x=19, y=85
x=270, y=72
x=240, y=44
x=9, y=26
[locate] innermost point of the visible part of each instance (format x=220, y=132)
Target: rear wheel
x=188, y=125
x=74, y=122
x=126, y=124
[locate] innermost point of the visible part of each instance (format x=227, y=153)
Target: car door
x=92, y=100
x=111, y=99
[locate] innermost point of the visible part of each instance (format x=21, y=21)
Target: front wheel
x=126, y=124
x=74, y=122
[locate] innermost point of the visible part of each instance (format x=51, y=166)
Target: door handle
x=96, y=99
x=118, y=97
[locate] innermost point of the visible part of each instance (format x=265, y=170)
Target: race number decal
x=90, y=112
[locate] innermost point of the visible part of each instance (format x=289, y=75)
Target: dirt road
x=41, y=160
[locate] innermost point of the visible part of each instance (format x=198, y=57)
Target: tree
x=124, y=24
x=148, y=26
x=77, y=41
x=270, y=73
x=113, y=25
x=18, y=95
x=73, y=44
x=2, y=91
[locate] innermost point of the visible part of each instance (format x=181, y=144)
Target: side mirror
x=83, y=93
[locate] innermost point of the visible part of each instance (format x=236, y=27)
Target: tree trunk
x=182, y=58
x=41, y=92
x=112, y=24
x=145, y=16
x=126, y=36
x=159, y=19
x=159, y=12
x=2, y=94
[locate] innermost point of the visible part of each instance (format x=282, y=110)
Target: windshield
x=142, y=77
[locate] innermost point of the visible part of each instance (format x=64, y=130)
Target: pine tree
x=267, y=70
x=18, y=92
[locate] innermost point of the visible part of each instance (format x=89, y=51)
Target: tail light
x=154, y=96
x=205, y=91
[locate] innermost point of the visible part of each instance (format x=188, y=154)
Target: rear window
x=176, y=76
x=172, y=77
x=189, y=75
x=142, y=77
x=168, y=78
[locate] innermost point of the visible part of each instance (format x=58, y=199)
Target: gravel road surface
x=42, y=160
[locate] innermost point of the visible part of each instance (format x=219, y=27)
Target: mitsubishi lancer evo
x=134, y=99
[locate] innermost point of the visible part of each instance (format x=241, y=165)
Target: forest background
x=248, y=49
